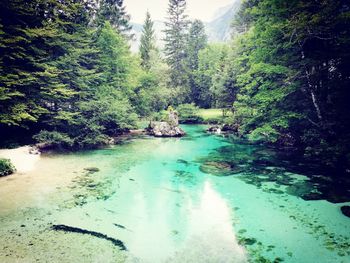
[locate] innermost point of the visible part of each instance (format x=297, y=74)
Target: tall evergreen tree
x=114, y=12
x=196, y=41
x=147, y=42
x=175, y=41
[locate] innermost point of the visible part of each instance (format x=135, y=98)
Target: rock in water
x=164, y=129
x=173, y=119
x=169, y=128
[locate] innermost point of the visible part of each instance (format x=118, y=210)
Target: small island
x=168, y=128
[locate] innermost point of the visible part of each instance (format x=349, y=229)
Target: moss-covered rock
x=6, y=167
x=217, y=168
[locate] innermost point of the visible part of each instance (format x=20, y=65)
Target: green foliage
x=61, y=75
x=189, y=113
x=147, y=42
x=210, y=88
x=160, y=116
x=54, y=139
x=175, y=46
x=94, y=114
x=290, y=69
x=196, y=41
x=151, y=94
x=113, y=11
x=6, y=167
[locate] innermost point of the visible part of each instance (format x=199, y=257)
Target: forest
x=69, y=78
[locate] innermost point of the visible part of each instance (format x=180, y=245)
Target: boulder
x=169, y=128
x=173, y=118
x=215, y=129
x=34, y=150
x=164, y=129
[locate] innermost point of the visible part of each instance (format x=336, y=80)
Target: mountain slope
x=220, y=30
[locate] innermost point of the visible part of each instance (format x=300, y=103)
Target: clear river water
x=201, y=198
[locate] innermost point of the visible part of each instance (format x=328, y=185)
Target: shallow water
x=202, y=198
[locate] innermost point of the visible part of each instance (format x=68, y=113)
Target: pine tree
x=114, y=12
x=24, y=50
x=175, y=41
x=196, y=41
x=147, y=42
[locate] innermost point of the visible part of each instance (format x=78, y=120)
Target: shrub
x=189, y=113
x=160, y=116
x=54, y=139
x=93, y=140
x=6, y=167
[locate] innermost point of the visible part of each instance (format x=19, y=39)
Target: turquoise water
x=201, y=198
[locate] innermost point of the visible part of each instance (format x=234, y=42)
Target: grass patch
x=213, y=115
x=142, y=124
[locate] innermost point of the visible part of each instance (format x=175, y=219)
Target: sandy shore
x=21, y=158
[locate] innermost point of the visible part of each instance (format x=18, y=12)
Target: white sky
x=200, y=9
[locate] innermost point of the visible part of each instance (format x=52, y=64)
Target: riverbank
x=20, y=158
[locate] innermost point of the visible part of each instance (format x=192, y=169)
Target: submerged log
x=71, y=229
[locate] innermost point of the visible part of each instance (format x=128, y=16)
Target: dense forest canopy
x=68, y=78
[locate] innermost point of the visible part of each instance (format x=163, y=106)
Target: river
x=201, y=198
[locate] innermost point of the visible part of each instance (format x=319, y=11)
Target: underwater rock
x=34, y=150
x=184, y=162
x=92, y=169
x=345, y=210
x=217, y=168
x=71, y=229
x=119, y=226
x=246, y=241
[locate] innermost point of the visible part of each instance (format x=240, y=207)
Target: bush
x=189, y=113
x=93, y=140
x=160, y=116
x=54, y=139
x=6, y=167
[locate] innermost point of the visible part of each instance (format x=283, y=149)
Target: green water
x=201, y=198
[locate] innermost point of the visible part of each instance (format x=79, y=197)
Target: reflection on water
x=211, y=237
x=174, y=227
x=157, y=198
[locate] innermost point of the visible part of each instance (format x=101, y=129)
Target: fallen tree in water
x=71, y=229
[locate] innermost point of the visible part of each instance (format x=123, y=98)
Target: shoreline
x=21, y=158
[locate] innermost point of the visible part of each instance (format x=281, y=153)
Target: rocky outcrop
x=215, y=129
x=34, y=150
x=164, y=129
x=169, y=128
